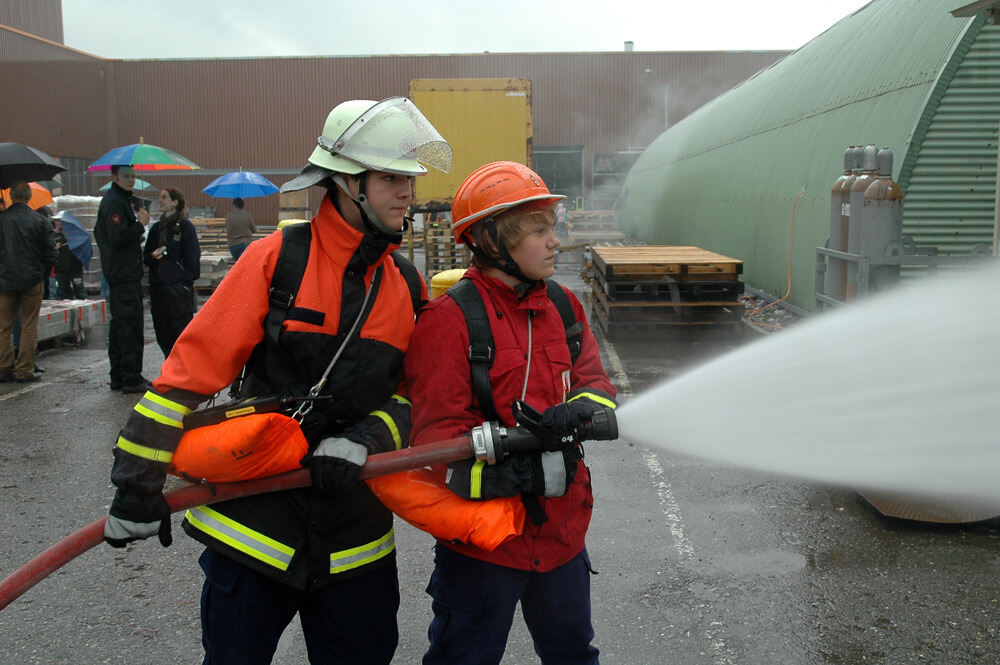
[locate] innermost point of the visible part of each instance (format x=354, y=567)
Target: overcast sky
x=271, y=28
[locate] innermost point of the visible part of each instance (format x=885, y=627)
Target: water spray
x=899, y=392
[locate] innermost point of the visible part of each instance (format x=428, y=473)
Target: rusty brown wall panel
x=38, y=17
x=266, y=113
x=269, y=111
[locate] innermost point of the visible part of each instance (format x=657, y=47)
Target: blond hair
x=512, y=227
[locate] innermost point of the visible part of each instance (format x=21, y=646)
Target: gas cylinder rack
x=866, y=248
x=663, y=286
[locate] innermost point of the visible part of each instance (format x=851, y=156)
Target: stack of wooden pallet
x=212, y=233
x=592, y=227
x=659, y=286
x=440, y=250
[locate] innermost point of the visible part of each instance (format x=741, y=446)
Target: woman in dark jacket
x=174, y=259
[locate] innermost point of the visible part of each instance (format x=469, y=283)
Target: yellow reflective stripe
x=246, y=540
x=156, y=407
x=476, y=480
x=402, y=400
x=145, y=452
x=595, y=398
x=362, y=555
x=391, y=425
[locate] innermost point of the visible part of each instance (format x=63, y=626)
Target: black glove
x=561, y=420
x=135, y=516
x=335, y=465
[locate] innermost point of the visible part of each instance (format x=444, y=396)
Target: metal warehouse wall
x=39, y=17
x=265, y=114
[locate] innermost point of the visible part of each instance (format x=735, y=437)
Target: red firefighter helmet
x=492, y=189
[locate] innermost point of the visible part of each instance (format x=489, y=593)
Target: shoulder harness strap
x=288, y=272
x=574, y=328
x=412, y=277
x=481, y=349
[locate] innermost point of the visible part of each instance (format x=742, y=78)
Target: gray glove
x=134, y=517
x=335, y=464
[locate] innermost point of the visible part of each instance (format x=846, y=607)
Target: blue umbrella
x=240, y=184
x=77, y=237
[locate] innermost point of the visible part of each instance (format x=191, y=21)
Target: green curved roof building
x=901, y=74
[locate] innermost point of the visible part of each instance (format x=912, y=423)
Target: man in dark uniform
x=119, y=233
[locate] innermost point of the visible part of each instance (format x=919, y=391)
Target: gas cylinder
x=869, y=164
x=836, y=273
x=882, y=228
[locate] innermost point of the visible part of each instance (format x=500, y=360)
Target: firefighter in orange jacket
x=325, y=552
x=503, y=211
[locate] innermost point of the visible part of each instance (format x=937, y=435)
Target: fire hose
x=491, y=442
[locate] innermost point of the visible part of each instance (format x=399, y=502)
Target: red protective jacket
x=440, y=382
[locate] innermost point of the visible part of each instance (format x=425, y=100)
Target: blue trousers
x=474, y=604
x=244, y=613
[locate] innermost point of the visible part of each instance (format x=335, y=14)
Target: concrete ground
x=698, y=563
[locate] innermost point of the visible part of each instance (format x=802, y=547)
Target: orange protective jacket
x=299, y=537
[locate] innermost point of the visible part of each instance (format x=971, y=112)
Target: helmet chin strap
x=371, y=220
x=508, y=265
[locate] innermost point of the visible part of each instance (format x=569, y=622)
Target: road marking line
x=671, y=509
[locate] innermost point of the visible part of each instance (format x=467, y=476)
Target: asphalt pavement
x=698, y=564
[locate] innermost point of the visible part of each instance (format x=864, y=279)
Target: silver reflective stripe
x=554, y=470
x=362, y=555
x=246, y=540
x=164, y=411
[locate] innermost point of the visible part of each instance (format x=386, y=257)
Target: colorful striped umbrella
x=143, y=157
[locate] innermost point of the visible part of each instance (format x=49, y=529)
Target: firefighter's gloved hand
x=335, y=465
x=561, y=420
x=134, y=516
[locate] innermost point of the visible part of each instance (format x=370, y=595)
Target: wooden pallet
x=651, y=286
x=646, y=262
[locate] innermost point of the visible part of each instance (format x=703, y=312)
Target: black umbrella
x=21, y=162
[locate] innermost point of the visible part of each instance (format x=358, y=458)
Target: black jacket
x=67, y=263
x=118, y=234
x=27, y=248
x=182, y=262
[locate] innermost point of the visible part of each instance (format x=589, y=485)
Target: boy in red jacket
x=504, y=213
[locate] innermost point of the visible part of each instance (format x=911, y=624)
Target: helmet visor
x=389, y=135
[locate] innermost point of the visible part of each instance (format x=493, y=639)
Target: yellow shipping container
x=484, y=120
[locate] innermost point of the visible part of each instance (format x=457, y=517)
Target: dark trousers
x=474, y=603
x=71, y=286
x=243, y=614
x=172, y=307
x=125, y=333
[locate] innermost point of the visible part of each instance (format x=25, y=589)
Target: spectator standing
x=239, y=229
x=69, y=269
x=27, y=252
x=174, y=259
x=118, y=232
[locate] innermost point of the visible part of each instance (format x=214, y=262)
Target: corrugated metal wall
x=264, y=114
x=38, y=17
x=950, y=178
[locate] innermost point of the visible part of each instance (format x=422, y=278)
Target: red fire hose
x=91, y=535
